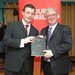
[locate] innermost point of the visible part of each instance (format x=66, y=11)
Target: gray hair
x=50, y=9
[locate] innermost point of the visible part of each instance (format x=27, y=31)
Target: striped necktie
x=49, y=32
x=49, y=36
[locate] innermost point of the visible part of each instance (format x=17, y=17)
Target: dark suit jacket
x=2, y=29
x=15, y=55
x=60, y=43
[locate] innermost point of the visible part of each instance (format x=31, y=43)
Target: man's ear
x=58, y=16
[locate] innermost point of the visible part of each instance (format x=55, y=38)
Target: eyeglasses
x=52, y=15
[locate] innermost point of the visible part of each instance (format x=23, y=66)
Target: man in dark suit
x=18, y=41
x=56, y=60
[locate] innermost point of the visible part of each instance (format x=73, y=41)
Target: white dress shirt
x=28, y=30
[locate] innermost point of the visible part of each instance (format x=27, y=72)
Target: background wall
x=2, y=2
x=1, y=6
x=8, y=0
x=68, y=18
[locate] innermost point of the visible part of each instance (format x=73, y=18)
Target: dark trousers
x=47, y=69
x=21, y=72
x=7, y=72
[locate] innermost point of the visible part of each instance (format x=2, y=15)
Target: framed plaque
x=38, y=46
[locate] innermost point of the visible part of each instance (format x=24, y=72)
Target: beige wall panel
x=9, y=13
x=68, y=18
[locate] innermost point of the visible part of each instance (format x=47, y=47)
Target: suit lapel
x=24, y=30
x=55, y=31
x=46, y=32
x=22, y=27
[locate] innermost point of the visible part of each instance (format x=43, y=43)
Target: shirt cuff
x=22, y=43
x=51, y=53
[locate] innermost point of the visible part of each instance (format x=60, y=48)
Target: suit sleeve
x=8, y=39
x=65, y=45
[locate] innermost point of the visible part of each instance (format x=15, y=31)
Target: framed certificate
x=38, y=46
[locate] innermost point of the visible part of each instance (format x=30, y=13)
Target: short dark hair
x=30, y=6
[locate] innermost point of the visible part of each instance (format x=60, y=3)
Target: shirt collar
x=24, y=23
x=53, y=26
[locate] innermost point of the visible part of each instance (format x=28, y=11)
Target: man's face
x=51, y=17
x=28, y=14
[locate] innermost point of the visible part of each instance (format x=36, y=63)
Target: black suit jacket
x=60, y=43
x=15, y=55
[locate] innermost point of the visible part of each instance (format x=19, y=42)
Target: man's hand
x=29, y=39
x=48, y=53
x=40, y=36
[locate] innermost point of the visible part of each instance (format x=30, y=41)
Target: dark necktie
x=26, y=26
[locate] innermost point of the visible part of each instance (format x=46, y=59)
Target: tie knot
x=50, y=28
x=26, y=26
